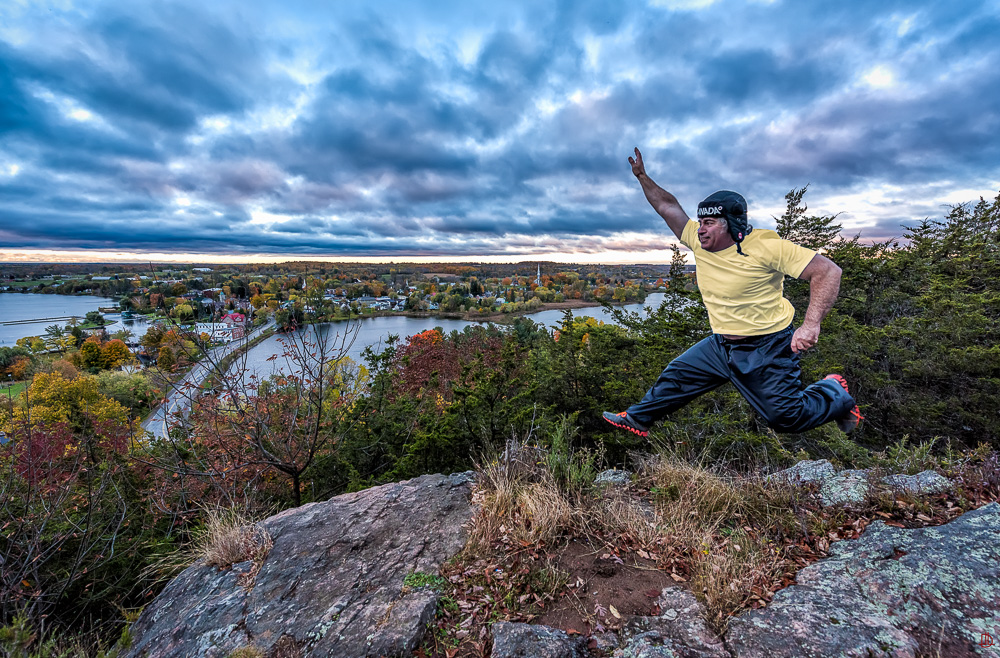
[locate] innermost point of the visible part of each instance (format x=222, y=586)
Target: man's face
x=713, y=234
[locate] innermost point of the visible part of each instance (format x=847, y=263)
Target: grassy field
x=13, y=390
x=30, y=284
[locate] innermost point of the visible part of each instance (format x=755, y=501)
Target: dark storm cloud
x=151, y=72
x=755, y=75
x=459, y=129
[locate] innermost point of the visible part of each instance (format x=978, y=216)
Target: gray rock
x=511, y=640
x=648, y=645
x=927, y=482
x=605, y=642
x=805, y=472
x=613, y=476
x=845, y=488
x=851, y=487
x=331, y=586
x=892, y=592
x=681, y=626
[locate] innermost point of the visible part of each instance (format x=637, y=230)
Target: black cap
x=731, y=206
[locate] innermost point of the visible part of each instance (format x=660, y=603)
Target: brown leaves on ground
x=539, y=553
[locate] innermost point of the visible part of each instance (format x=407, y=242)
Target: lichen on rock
x=331, y=585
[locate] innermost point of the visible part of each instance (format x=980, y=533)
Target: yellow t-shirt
x=743, y=294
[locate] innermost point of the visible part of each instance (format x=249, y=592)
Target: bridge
x=11, y=323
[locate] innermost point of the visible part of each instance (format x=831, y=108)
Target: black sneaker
x=626, y=422
x=848, y=423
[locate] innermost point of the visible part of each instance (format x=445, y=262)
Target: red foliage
x=51, y=455
x=432, y=364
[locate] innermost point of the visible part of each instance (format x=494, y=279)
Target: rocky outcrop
x=679, y=630
x=927, y=482
x=534, y=641
x=848, y=487
x=613, y=476
x=805, y=472
x=332, y=585
x=892, y=592
x=852, y=487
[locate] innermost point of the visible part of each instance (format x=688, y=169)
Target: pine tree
x=812, y=232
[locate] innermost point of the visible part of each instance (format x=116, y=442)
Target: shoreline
x=495, y=317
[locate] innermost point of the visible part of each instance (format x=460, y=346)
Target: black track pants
x=762, y=368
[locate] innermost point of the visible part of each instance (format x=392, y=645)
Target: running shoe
x=853, y=417
x=626, y=422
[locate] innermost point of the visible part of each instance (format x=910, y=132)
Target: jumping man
x=741, y=275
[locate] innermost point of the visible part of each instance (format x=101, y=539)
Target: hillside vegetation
x=93, y=519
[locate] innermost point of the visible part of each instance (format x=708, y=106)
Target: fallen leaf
x=614, y=611
x=678, y=579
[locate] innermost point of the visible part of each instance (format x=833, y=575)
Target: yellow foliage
x=115, y=354
x=51, y=398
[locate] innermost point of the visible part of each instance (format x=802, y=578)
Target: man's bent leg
x=698, y=370
x=767, y=373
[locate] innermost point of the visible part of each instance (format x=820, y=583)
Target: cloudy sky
x=469, y=130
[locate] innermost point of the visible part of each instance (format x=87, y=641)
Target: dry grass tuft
x=623, y=517
x=231, y=536
x=247, y=652
x=518, y=499
x=728, y=574
x=721, y=526
x=545, y=513
x=706, y=516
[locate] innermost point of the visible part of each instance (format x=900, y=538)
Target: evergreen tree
x=813, y=232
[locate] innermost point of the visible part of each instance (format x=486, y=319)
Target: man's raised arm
x=663, y=202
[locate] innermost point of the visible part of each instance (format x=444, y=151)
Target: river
x=373, y=332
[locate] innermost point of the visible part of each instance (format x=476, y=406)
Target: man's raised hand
x=637, y=167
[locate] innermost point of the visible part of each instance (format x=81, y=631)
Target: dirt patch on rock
x=605, y=584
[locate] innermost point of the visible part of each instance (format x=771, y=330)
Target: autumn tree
x=90, y=354
x=52, y=398
x=115, y=354
x=9, y=356
x=165, y=358
x=250, y=432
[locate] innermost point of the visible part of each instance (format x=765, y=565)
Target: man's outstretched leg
x=766, y=372
x=698, y=370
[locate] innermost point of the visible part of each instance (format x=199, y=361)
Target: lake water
x=374, y=332
x=33, y=306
